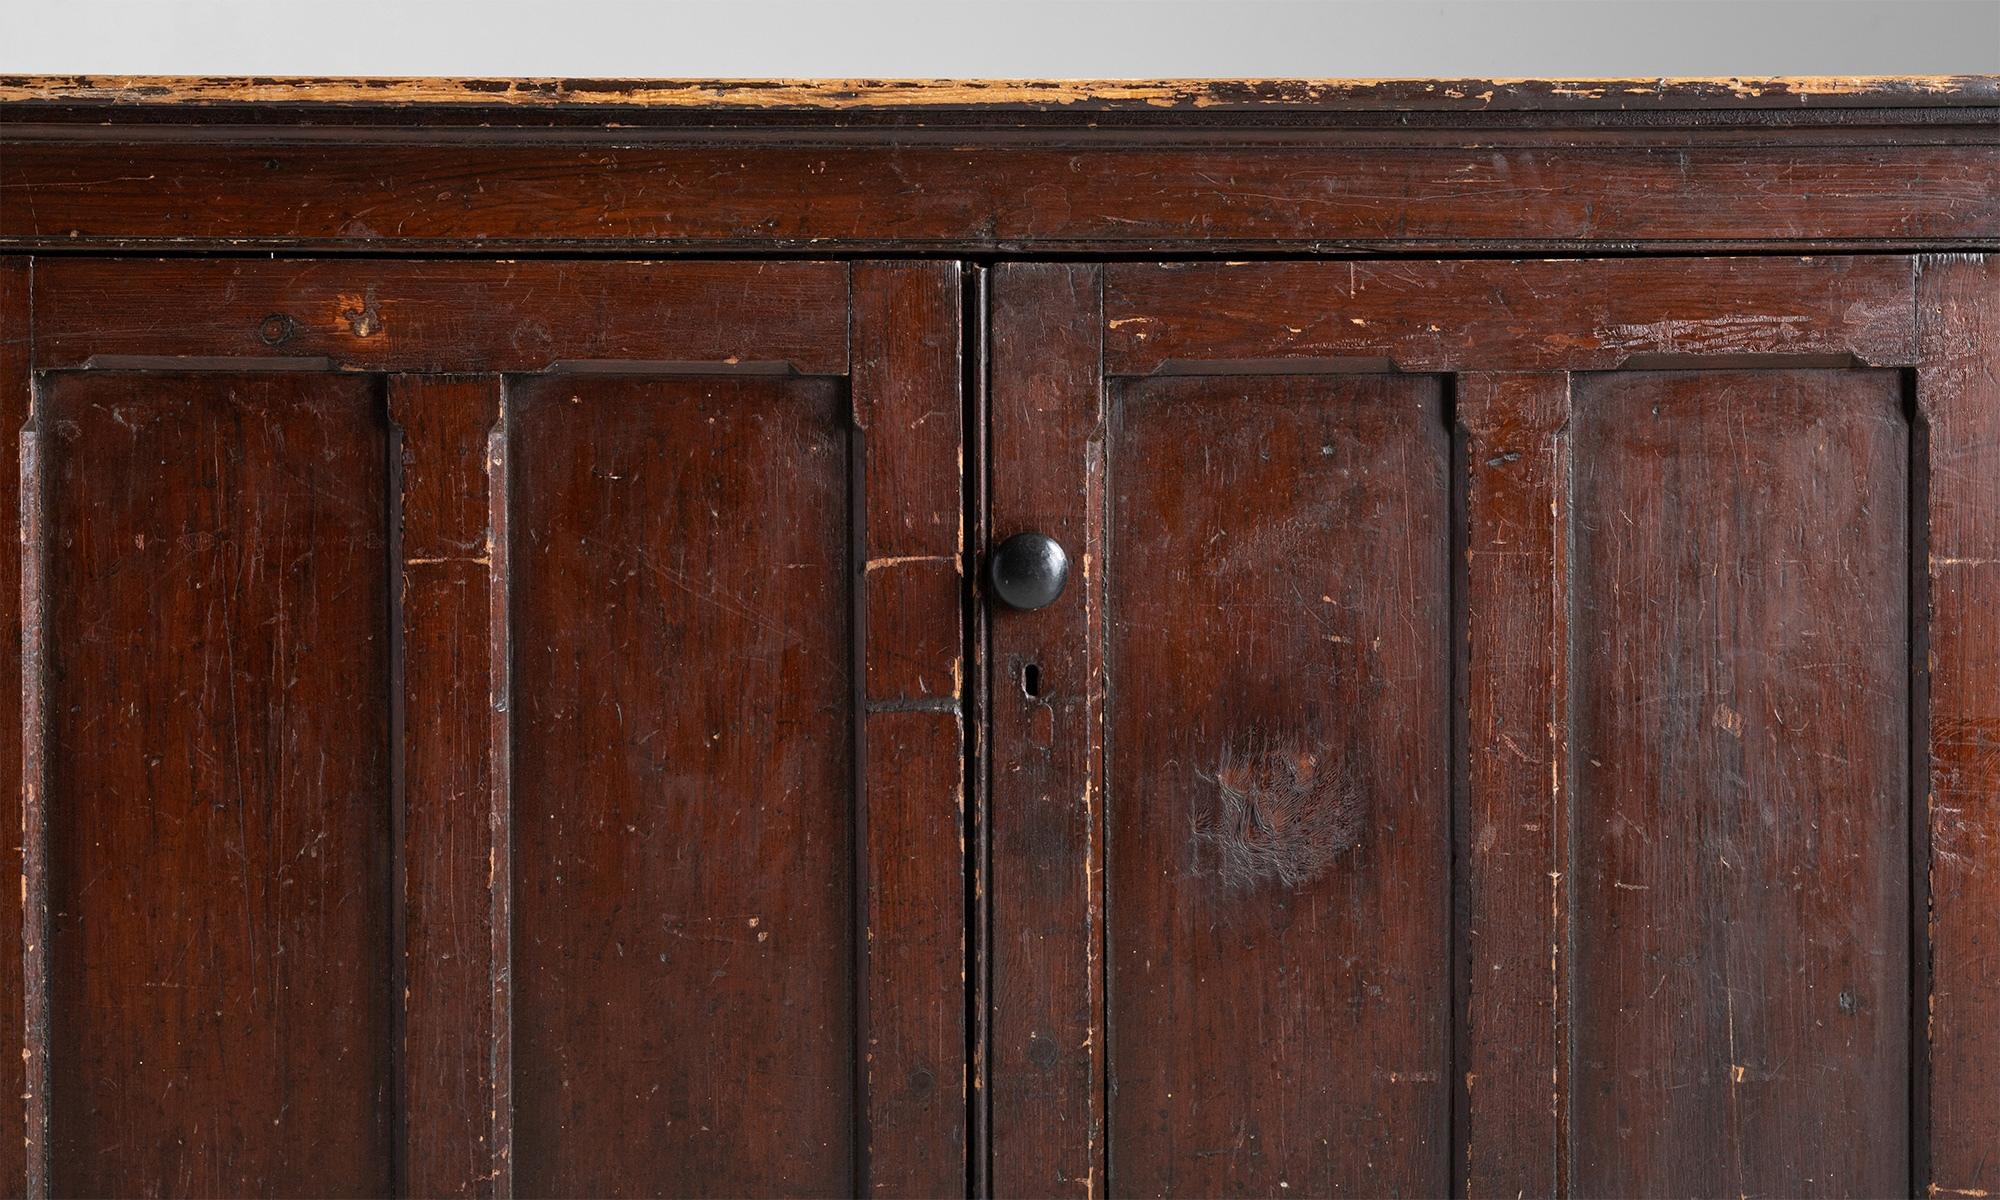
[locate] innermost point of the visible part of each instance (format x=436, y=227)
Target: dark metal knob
x=1027, y=570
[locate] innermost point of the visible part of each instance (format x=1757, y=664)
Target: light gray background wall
x=992, y=38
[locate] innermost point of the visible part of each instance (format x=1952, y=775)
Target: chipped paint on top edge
x=980, y=93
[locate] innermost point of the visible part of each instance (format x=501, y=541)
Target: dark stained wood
x=676, y=913
x=69, y=189
x=1279, y=771
x=215, y=784
x=1540, y=315
x=1517, y=810
x=443, y=316
x=637, y=612
x=1741, y=730
x=1766, y=353
x=683, y=881
x=453, y=789
x=1958, y=394
x=35, y=900
x=14, y=1047
x=909, y=415
x=1046, y=770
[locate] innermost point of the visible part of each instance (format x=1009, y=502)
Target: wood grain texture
x=1483, y=316
x=438, y=316
x=859, y=94
x=961, y=192
x=1958, y=393
x=1046, y=772
x=36, y=917
x=683, y=751
x=1278, y=856
x=215, y=783
x=708, y=956
x=1517, y=811
x=14, y=1046
x=909, y=416
x=453, y=791
x=1742, y=722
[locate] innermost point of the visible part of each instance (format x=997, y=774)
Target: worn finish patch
x=1279, y=812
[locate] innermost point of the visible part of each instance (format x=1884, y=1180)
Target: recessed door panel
x=683, y=782
x=214, y=586
x=1279, y=741
x=1742, y=724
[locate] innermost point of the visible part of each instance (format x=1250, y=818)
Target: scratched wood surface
x=215, y=782
x=1279, y=653
x=1046, y=767
x=1546, y=314
x=894, y=166
x=1660, y=569
x=1513, y=825
x=404, y=802
x=908, y=412
x=683, y=874
x=1958, y=393
x=1741, y=734
x=1616, y=1013
x=64, y=191
x=1087, y=94
x=455, y=1070
x=16, y=1062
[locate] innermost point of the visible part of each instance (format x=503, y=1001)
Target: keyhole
x=1031, y=681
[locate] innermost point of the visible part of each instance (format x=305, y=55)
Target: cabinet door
x=1514, y=728
x=488, y=727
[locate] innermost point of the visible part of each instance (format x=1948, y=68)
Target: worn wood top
x=1393, y=95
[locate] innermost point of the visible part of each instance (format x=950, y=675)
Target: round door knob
x=1027, y=571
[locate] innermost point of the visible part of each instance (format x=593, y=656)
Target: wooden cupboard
x=514, y=696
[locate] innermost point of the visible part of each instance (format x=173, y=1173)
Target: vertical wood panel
x=215, y=783
x=682, y=778
x=1517, y=820
x=1278, y=750
x=908, y=410
x=15, y=349
x=1046, y=774
x=1742, y=753
x=35, y=920
x=1958, y=390
x=978, y=441
x=453, y=788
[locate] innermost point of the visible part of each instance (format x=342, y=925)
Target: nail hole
x=1031, y=681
